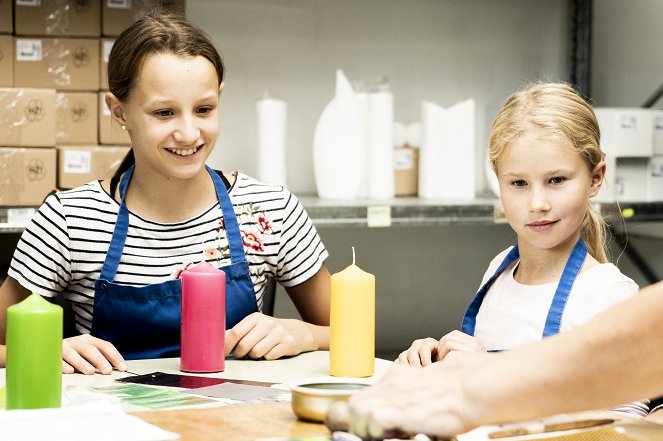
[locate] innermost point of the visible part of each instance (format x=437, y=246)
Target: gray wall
x=439, y=50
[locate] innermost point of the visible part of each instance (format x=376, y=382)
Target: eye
x=518, y=183
x=204, y=110
x=164, y=113
x=557, y=180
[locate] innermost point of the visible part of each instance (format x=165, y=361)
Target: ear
x=598, y=176
x=115, y=107
x=221, y=88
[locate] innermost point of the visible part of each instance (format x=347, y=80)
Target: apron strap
x=470, y=318
x=571, y=271
x=233, y=233
x=116, y=246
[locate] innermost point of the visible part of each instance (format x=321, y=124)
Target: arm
x=558, y=374
x=11, y=292
x=259, y=335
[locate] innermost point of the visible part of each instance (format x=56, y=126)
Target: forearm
x=615, y=358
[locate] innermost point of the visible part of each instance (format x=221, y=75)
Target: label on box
x=378, y=216
x=627, y=121
x=28, y=50
x=77, y=161
x=119, y=4
x=28, y=2
x=403, y=159
x=108, y=45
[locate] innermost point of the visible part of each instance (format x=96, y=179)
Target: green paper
x=34, y=354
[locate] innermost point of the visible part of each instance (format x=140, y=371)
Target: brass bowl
x=312, y=397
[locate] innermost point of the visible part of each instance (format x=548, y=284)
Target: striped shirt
x=63, y=248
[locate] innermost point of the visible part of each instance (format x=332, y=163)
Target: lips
x=541, y=225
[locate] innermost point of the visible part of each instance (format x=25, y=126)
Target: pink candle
x=203, y=319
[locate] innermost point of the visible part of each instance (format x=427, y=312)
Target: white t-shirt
x=63, y=248
x=513, y=314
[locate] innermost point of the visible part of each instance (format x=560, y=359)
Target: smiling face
x=545, y=187
x=171, y=115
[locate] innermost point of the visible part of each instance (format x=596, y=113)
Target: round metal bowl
x=312, y=397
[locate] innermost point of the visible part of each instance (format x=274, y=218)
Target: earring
x=124, y=127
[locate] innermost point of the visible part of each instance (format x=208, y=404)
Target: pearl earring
x=124, y=127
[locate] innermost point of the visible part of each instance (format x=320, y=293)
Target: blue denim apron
x=144, y=322
x=554, y=318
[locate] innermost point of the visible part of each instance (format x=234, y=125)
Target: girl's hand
x=88, y=354
x=457, y=341
x=262, y=336
x=422, y=353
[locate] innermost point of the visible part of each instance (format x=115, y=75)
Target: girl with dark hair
x=116, y=249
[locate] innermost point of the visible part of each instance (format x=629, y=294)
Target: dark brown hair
x=158, y=32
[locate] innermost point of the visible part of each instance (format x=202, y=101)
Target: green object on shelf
x=34, y=354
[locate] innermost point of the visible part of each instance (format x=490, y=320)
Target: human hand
x=262, y=336
x=457, y=341
x=422, y=352
x=87, y=354
x=409, y=400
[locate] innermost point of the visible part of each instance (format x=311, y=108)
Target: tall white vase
x=338, y=147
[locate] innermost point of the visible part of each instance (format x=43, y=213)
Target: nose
x=538, y=200
x=187, y=131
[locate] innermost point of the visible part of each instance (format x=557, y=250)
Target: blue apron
x=554, y=319
x=144, y=322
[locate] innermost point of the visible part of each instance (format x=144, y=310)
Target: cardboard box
x=105, y=46
x=58, y=63
x=6, y=15
x=27, y=117
x=6, y=61
x=27, y=175
x=626, y=132
x=110, y=131
x=658, y=132
x=73, y=18
x=76, y=118
x=117, y=15
x=655, y=179
x=78, y=165
x=631, y=180
x=406, y=171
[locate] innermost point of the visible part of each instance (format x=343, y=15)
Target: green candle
x=34, y=354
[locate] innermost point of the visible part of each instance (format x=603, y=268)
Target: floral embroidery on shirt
x=177, y=274
x=254, y=226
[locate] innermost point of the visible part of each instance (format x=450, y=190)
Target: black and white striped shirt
x=63, y=248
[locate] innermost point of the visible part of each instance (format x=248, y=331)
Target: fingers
x=457, y=341
x=261, y=336
x=423, y=352
x=88, y=354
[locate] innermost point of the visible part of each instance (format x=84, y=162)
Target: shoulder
x=606, y=283
x=495, y=263
x=247, y=189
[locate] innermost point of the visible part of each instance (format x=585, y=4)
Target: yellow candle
x=352, y=321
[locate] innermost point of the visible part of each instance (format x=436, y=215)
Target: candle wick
x=353, y=255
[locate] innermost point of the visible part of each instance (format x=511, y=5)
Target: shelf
x=411, y=212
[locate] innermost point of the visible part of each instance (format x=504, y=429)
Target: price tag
x=378, y=216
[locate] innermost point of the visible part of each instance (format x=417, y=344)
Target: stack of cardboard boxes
x=632, y=139
x=55, y=128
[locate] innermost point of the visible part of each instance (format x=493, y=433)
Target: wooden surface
x=234, y=423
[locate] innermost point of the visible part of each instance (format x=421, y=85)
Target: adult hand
x=422, y=352
x=88, y=354
x=457, y=341
x=410, y=400
x=262, y=336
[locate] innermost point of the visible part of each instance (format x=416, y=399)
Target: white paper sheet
x=99, y=421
